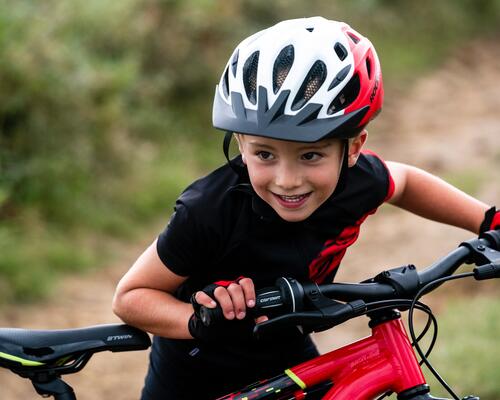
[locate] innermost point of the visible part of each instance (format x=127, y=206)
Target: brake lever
x=314, y=321
x=286, y=321
x=481, y=252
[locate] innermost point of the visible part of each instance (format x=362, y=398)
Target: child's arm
x=144, y=298
x=430, y=197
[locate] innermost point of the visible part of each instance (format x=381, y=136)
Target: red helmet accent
x=367, y=66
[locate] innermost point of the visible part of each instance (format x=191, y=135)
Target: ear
x=239, y=140
x=355, y=147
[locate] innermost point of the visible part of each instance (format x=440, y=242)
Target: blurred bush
x=467, y=354
x=105, y=108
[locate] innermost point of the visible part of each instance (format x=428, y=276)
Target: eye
x=311, y=156
x=264, y=155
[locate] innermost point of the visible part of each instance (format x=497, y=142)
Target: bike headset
x=301, y=80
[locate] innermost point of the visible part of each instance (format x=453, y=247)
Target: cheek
x=259, y=176
x=326, y=180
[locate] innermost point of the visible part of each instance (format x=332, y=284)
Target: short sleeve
x=382, y=173
x=185, y=245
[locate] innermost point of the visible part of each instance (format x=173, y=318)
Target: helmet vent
x=313, y=81
x=340, y=77
x=310, y=29
x=282, y=67
x=234, y=62
x=369, y=67
x=341, y=51
x=346, y=96
x=225, y=83
x=250, y=77
x=353, y=37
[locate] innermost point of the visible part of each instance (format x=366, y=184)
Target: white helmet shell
x=305, y=76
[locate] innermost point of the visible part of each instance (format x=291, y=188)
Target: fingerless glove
x=228, y=331
x=491, y=220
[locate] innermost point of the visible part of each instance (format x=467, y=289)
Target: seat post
x=55, y=387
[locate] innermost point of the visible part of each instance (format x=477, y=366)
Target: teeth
x=293, y=199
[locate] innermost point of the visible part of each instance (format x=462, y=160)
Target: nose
x=288, y=177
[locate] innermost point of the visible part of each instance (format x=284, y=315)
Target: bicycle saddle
x=25, y=349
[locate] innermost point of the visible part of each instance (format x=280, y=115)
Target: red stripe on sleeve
x=392, y=186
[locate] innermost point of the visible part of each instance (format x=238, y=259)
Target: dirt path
x=449, y=124
x=80, y=301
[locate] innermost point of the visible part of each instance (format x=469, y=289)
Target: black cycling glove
x=491, y=220
x=225, y=330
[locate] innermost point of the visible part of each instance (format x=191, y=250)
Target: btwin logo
x=118, y=337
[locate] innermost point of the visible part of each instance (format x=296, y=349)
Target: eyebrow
x=258, y=144
x=316, y=145
x=305, y=147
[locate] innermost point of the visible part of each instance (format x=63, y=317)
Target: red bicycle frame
x=382, y=362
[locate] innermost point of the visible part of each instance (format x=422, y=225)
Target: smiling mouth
x=292, y=201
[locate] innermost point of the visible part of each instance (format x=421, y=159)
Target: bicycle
x=374, y=366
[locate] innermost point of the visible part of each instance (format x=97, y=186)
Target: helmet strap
x=225, y=147
x=344, y=169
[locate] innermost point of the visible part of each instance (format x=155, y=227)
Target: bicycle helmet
x=300, y=80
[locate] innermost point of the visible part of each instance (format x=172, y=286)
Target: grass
x=34, y=253
x=467, y=353
x=33, y=259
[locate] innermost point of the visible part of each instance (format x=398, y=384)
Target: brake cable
x=385, y=304
x=412, y=331
x=415, y=304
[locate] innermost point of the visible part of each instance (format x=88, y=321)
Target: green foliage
x=467, y=352
x=61, y=109
x=94, y=96
x=31, y=260
x=412, y=37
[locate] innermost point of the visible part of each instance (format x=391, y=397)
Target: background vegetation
x=465, y=340
x=105, y=108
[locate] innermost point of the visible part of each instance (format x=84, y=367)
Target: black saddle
x=28, y=352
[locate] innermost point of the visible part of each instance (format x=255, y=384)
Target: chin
x=293, y=216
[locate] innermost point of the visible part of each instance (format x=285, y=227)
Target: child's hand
x=234, y=297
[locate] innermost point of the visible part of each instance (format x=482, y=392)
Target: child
x=297, y=97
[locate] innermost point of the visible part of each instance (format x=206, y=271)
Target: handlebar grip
x=487, y=271
x=267, y=301
x=268, y=298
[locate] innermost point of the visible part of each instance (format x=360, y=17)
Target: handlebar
x=292, y=303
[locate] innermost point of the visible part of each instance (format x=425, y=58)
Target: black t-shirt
x=221, y=230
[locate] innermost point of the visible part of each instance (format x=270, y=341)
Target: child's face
x=294, y=178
